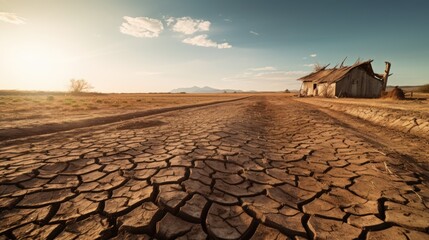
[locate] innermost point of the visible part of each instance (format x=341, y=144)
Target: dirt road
x=259, y=168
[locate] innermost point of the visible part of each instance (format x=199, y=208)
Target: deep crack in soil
x=265, y=167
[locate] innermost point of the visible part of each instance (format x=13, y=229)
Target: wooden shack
x=358, y=80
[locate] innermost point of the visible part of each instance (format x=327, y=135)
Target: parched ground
x=22, y=110
x=24, y=114
x=264, y=167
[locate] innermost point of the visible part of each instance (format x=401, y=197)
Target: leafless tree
x=79, y=85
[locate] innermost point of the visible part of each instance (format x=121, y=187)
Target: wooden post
x=386, y=75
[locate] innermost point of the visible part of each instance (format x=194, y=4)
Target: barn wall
x=307, y=89
x=358, y=83
x=326, y=89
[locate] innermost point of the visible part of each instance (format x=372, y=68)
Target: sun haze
x=157, y=46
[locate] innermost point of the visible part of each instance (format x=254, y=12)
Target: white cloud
x=227, y=20
x=141, y=27
x=188, y=25
x=310, y=65
x=11, y=18
x=169, y=20
x=254, y=33
x=268, y=68
x=148, y=27
x=224, y=46
x=203, y=41
x=313, y=55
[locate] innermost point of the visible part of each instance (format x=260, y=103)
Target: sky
x=159, y=45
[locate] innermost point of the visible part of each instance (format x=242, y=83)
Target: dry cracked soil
x=264, y=167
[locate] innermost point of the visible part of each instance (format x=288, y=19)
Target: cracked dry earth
x=259, y=168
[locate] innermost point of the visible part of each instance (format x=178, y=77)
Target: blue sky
x=158, y=45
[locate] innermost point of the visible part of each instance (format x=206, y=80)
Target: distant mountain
x=205, y=89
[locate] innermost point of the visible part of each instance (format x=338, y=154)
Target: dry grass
x=423, y=89
x=22, y=109
x=419, y=103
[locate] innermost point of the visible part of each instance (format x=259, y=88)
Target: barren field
x=262, y=166
x=34, y=114
x=24, y=110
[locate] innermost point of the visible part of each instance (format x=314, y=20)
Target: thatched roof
x=336, y=74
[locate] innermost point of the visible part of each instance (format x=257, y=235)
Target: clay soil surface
x=262, y=167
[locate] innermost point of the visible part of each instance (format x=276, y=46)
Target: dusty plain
x=255, y=166
x=23, y=109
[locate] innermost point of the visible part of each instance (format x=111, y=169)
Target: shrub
x=50, y=98
x=79, y=85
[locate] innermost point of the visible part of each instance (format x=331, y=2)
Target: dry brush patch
x=23, y=110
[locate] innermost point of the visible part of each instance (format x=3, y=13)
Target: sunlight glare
x=36, y=65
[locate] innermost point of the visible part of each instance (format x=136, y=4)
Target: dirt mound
x=396, y=94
